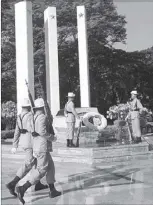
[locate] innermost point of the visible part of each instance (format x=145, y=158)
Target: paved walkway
x=81, y=184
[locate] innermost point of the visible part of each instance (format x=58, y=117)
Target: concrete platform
x=103, y=155
x=93, y=155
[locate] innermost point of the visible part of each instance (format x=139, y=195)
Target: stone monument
x=51, y=53
x=83, y=57
x=24, y=50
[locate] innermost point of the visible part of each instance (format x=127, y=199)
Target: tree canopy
x=113, y=73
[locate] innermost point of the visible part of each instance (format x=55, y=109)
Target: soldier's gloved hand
x=13, y=150
x=55, y=138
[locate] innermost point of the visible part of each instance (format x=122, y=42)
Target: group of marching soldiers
x=32, y=135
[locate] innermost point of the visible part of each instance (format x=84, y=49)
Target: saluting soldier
x=71, y=115
x=134, y=114
x=23, y=138
x=42, y=146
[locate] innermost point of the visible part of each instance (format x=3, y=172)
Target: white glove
x=55, y=138
x=13, y=150
x=34, y=155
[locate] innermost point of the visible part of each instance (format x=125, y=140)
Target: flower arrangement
x=118, y=112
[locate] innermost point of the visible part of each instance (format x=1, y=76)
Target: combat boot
x=77, y=143
x=53, y=192
x=138, y=140
x=71, y=143
x=11, y=186
x=39, y=186
x=68, y=143
x=21, y=191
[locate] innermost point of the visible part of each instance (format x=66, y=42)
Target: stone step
x=102, y=152
x=106, y=161
x=124, y=159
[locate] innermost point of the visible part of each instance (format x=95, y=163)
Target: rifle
x=30, y=96
x=78, y=133
x=47, y=111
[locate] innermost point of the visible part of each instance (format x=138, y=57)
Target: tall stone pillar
x=24, y=50
x=83, y=57
x=51, y=52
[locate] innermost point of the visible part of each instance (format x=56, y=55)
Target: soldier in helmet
x=42, y=146
x=23, y=138
x=134, y=114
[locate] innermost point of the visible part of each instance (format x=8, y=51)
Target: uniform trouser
x=29, y=162
x=70, y=130
x=45, y=166
x=136, y=130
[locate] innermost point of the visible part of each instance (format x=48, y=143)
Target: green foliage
x=7, y=134
x=8, y=114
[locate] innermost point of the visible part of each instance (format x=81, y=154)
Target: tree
x=9, y=115
x=113, y=73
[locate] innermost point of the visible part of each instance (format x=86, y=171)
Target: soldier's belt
x=135, y=110
x=69, y=112
x=23, y=131
x=35, y=134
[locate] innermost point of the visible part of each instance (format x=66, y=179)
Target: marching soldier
x=134, y=114
x=71, y=115
x=23, y=138
x=42, y=145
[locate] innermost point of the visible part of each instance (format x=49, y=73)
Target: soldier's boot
x=11, y=185
x=71, y=144
x=21, y=191
x=77, y=143
x=53, y=192
x=39, y=186
x=138, y=140
x=68, y=143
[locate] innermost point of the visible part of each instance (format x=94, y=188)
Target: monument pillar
x=83, y=57
x=51, y=52
x=24, y=50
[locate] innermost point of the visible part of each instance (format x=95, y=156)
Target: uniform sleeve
x=16, y=136
x=42, y=129
x=65, y=111
x=139, y=105
x=74, y=111
x=30, y=123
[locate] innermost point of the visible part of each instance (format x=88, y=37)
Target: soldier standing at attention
x=23, y=138
x=42, y=146
x=71, y=115
x=134, y=114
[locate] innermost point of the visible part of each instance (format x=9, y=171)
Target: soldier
x=42, y=145
x=23, y=138
x=71, y=115
x=134, y=114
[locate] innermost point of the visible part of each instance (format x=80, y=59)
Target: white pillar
x=51, y=52
x=24, y=50
x=83, y=57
